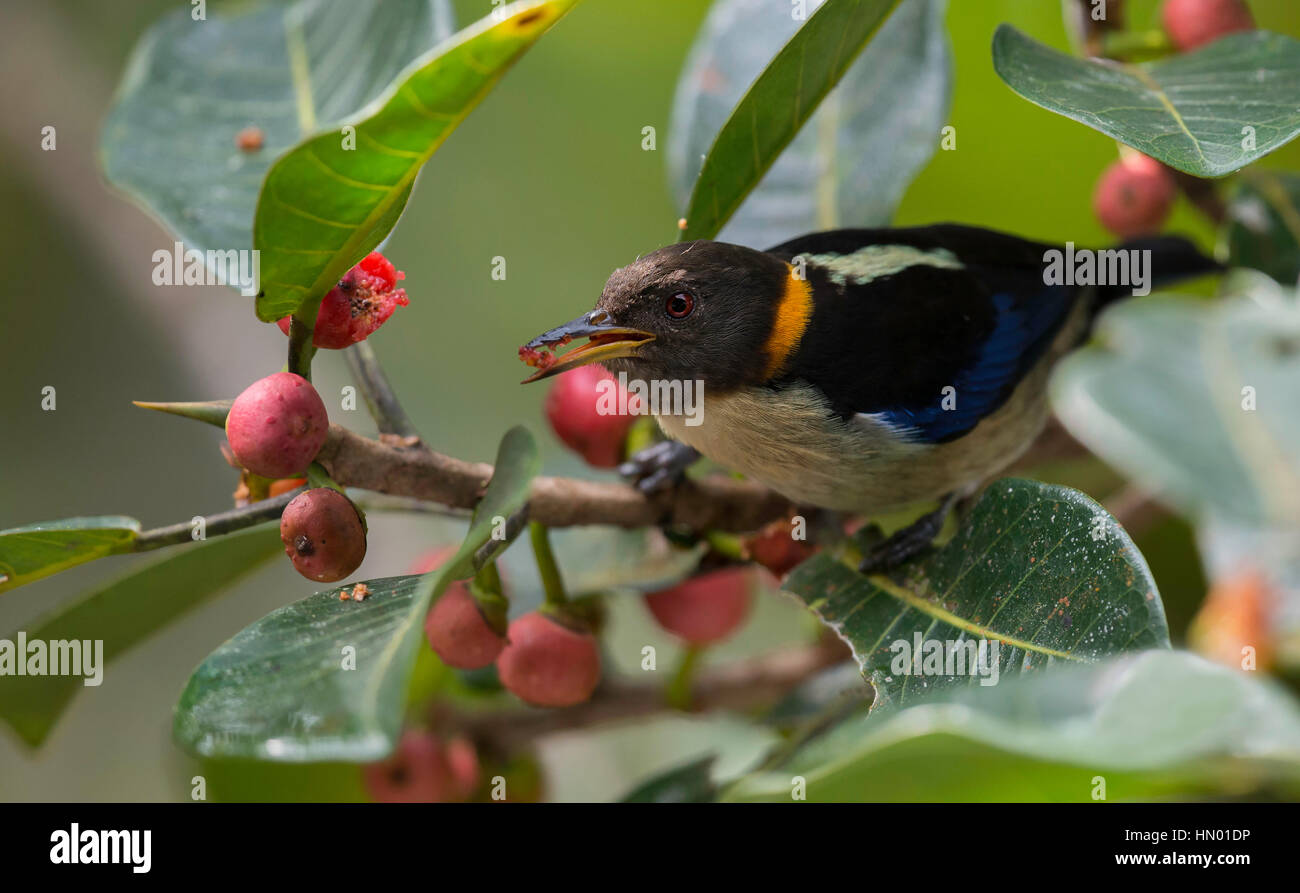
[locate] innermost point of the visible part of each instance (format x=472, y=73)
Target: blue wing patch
x=1024, y=329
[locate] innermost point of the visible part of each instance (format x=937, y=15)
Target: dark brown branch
x=740, y=685
x=713, y=504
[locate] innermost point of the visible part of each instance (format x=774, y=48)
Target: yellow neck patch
x=792, y=315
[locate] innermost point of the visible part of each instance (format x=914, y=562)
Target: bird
x=856, y=370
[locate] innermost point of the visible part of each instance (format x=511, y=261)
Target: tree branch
x=712, y=504
x=740, y=685
x=378, y=392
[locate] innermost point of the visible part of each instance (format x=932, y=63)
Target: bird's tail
x=1171, y=258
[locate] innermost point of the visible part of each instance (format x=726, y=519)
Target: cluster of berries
x=1135, y=194
x=279, y=423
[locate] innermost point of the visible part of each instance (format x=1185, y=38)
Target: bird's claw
x=658, y=467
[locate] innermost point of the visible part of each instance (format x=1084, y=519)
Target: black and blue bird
x=860, y=370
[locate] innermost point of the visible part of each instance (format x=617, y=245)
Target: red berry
x=706, y=608
x=459, y=633
x=363, y=301
x=250, y=139
x=1134, y=196
x=549, y=664
x=462, y=758
x=419, y=771
x=775, y=548
x=277, y=425
x=574, y=409
x=432, y=560
x=1194, y=23
x=323, y=535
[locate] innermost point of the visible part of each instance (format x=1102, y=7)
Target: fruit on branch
x=465, y=630
x=1134, y=196
x=775, y=548
x=277, y=425
x=363, y=301
x=584, y=414
x=323, y=535
x=1194, y=23
x=707, y=608
x=424, y=770
x=460, y=632
x=549, y=662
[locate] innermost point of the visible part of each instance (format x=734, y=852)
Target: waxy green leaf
x=125, y=612
x=332, y=199
x=1156, y=725
x=1215, y=426
x=859, y=151
x=325, y=678
x=290, y=70
x=1208, y=113
x=38, y=550
x=778, y=103
x=1040, y=574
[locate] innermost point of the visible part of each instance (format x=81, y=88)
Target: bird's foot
x=658, y=467
x=909, y=542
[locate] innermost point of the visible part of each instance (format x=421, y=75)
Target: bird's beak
x=607, y=342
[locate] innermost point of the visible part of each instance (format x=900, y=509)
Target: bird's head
x=695, y=310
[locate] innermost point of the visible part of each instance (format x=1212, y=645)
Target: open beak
x=607, y=342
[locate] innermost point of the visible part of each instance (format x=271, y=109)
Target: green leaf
x=1188, y=110
x=778, y=103
x=279, y=691
x=325, y=204
x=290, y=69
x=1157, y=724
x=869, y=137
x=38, y=550
x=124, y=613
x=1263, y=227
x=1215, y=424
x=1041, y=570
x=690, y=783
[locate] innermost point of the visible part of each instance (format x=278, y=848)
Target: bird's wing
x=929, y=329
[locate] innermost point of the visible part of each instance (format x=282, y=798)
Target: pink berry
x=549, y=664
x=459, y=633
x=1134, y=196
x=277, y=425
x=706, y=608
x=323, y=535
x=462, y=758
x=419, y=771
x=775, y=548
x=363, y=301
x=1194, y=23
x=573, y=407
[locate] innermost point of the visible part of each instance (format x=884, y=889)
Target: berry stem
x=552, y=584
x=727, y=545
x=301, y=349
x=678, y=692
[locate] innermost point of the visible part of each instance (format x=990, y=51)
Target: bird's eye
x=680, y=305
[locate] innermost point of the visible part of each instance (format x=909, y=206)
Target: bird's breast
x=790, y=439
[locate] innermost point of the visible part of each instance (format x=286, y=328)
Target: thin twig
x=378, y=392
x=222, y=522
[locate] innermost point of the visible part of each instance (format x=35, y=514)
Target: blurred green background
x=549, y=173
